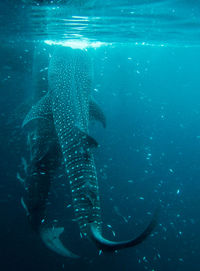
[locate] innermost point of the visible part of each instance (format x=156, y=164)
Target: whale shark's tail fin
x=107, y=245
x=50, y=237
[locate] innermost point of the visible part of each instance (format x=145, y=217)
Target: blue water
x=147, y=81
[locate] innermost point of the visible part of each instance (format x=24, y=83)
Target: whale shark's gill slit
x=107, y=245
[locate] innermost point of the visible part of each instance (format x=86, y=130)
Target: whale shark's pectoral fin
x=96, y=113
x=42, y=110
x=50, y=237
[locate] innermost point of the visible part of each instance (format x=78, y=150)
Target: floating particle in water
x=164, y=229
x=141, y=198
x=130, y=181
x=21, y=180
x=114, y=234
x=145, y=259
x=148, y=156
x=60, y=176
x=192, y=220
x=162, y=116
x=178, y=191
x=104, y=176
x=171, y=170
x=24, y=164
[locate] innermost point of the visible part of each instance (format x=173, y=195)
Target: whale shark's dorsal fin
x=42, y=110
x=86, y=141
x=50, y=237
x=96, y=113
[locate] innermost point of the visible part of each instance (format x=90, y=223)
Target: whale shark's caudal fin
x=50, y=237
x=107, y=245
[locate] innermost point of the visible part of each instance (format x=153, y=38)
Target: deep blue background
x=151, y=99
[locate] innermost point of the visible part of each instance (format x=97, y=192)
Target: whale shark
x=61, y=132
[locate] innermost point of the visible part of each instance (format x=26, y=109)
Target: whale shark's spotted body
x=70, y=79
x=67, y=107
